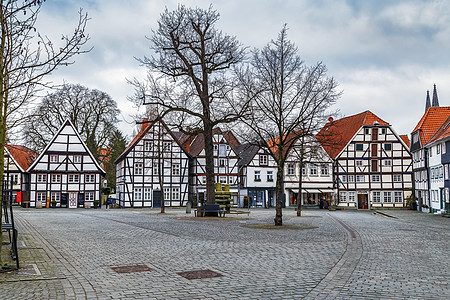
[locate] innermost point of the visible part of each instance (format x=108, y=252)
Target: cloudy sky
x=385, y=54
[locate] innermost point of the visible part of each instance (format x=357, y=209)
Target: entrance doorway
x=156, y=198
x=73, y=200
x=363, y=201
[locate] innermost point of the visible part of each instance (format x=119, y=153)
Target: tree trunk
x=209, y=159
x=300, y=194
x=279, y=191
x=2, y=171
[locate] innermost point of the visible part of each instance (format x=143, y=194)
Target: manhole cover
x=29, y=270
x=199, y=274
x=131, y=269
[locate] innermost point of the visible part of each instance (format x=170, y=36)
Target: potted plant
x=53, y=203
x=96, y=203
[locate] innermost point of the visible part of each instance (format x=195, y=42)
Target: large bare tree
x=26, y=57
x=189, y=78
x=289, y=100
x=92, y=112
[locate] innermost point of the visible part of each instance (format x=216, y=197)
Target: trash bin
x=38, y=204
x=414, y=206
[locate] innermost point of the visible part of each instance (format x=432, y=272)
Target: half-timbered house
x=65, y=172
x=226, y=170
x=372, y=163
x=15, y=178
x=257, y=176
x=316, y=174
x=153, y=167
x=428, y=125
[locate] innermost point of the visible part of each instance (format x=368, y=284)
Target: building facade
x=153, y=168
x=372, y=163
x=66, y=172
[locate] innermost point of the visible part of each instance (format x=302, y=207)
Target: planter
x=53, y=204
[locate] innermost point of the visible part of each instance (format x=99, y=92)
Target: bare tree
x=92, y=112
x=188, y=78
x=26, y=58
x=289, y=100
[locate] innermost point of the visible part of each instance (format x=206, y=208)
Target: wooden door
x=73, y=200
x=374, y=134
x=362, y=201
x=374, y=150
x=156, y=198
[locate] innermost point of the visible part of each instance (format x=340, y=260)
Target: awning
x=313, y=191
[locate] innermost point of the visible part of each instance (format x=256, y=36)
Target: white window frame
x=167, y=146
x=56, y=178
x=269, y=175
x=343, y=197
x=148, y=146
x=324, y=170
x=263, y=160
x=147, y=193
x=396, y=177
x=137, y=194
x=55, y=196
x=89, y=196
x=359, y=163
x=138, y=168
x=351, y=196
x=222, y=162
x=387, y=162
x=41, y=196
x=350, y=178
x=291, y=169
x=175, y=193
x=360, y=178
x=398, y=197
x=387, y=197
x=176, y=169
x=257, y=175
x=376, y=197
x=77, y=159
x=73, y=178
x=376, y=178
x=41, y=178
x=223, y=179
x=89, y=178
x=54, y=158
x=313, y=170
x=166, y=194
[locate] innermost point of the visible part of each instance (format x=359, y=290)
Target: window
x=89, y=196
x=343, y=196
x=204, y=179
x=388, y=147
x=231, y=180
x=176, y=194
x=137, y=193
x=446, y=170
x=313, y=170
x=397, y=177
x=366, y=130
x=359, y=178
x=269, y=175
x=77, y=159
x=359, y=147
x=383, y=130
x=351, y=196
x=74, y=178
x=359, y=163
x=398, y=197
x=166, y=193
x=223, y=179
x=387, y=162
x=89, y=178
x=215, y=147
x=430, y=152
x=376, y=178
x=147, y=194
x=324, y=170
x=41, y=196
x=438, y=149
x=222, y=150
x=41, y=178
x=291, y=169
x=167, y=146
x=376, y=197
x=155, y=169
x=176, y=169
x=351, y=178
x=138, y=169
x=443, y=148
x=54, y=158
x=56, y=178
x=303, y=170
x=222, y=162
x=55, y=197
x=263, y=159
x=257, y=175
x=147, y=146
x=343, y=178
x=387, y=197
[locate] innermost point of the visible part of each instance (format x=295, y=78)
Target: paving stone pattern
x=350, y=255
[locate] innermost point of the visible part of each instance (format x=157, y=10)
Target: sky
x=385, y=54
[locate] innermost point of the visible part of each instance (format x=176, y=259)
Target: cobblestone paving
x=350, y=254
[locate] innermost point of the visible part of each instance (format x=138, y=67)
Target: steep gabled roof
x=288, y=142
x=144, y=129
x=67, y=123
x=335, y=135
x=430, y=122
x=246, y=153
x=442, y=133
x=405, y=139
x=22, y=156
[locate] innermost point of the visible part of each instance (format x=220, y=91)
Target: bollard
x=188, y=207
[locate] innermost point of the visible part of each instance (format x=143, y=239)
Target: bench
x=210, y=210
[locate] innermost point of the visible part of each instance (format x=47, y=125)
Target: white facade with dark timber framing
x=66, y=171
x=226, y=170
x=152, y=167
x=373, y=165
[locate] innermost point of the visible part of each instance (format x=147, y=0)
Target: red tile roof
x=22, y=155
x=405, y=139
x=442, y=133
x=433, y=118
x=335, y=135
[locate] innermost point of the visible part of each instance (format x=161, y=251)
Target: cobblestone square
x=393, y=254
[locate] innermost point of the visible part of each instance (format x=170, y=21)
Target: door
x=362, y=201
x=73, y=200
x=156, y=198
x=64, y=197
